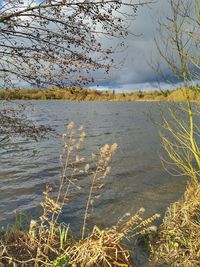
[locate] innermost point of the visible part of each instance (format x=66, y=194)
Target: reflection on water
x=137, y=178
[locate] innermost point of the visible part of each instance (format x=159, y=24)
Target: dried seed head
x=87, y=166
x=81, y=127
x=64, y=135
x=113, y=148
x=70, y=125
x=104, y=149
x=141, y=210
x=82, y=136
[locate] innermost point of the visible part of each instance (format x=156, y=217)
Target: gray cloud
x=136, y=73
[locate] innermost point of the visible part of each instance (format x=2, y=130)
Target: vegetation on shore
x=177, y=242
x=81, y=94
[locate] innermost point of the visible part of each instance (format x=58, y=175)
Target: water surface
x=137, y=178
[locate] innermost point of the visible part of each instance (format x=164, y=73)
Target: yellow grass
x=179, y=239
x=83, y=94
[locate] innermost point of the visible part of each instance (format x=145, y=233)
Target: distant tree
x=60, y=41
x=140, y=94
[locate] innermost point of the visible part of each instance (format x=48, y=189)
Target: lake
x=137, y=178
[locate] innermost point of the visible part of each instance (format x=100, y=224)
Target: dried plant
x=106, y=247
x=48, y=242
x=102, y=170
x=179, y=243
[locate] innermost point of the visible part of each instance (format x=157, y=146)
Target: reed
x=47, y=242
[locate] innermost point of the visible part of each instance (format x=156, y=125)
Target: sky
x=136, y=72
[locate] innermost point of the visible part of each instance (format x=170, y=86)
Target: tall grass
x=47, y=242
x=178, y=241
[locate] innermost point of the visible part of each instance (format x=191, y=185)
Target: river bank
x=82, y=94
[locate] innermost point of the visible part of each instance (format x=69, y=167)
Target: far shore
x=82, y=94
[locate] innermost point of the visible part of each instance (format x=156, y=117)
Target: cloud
x=136, y=72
